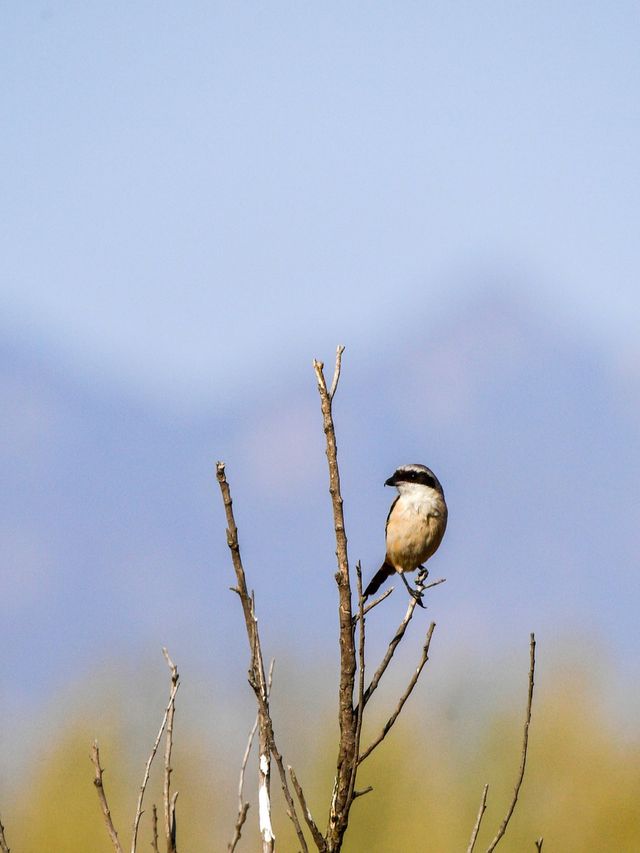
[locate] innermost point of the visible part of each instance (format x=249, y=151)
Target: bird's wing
x=390, y=511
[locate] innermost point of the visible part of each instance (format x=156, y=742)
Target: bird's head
x=413, y=478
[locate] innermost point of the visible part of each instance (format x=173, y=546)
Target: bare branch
x=476, y=827
x=539, y=842
x=154, y=840
x=435, y=583
x=169, y=802
x=364, y=791
x=339, y=811
x=397, y=637
x=267, y=745
x=336, y=372
x=265, y=730
x=242, y=816
x=145, y=779
x=291, y=808
x=102, y=797
x=361, y=670
x=414, y=679
x=525, y=743
x=373, y=604
x=315, y=832
x=4, y=847
x=243, y=807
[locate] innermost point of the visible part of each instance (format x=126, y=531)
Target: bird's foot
x=423, y=574
x=417, y=596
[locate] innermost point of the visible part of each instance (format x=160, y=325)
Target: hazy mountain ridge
x=114, y=535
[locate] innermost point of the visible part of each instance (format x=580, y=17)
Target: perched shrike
x=415, y=525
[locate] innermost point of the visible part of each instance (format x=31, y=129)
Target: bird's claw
x=417, y=597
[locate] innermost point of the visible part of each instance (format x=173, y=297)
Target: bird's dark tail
x=385, y=571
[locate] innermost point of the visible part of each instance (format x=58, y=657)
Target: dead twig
x=336, y=372
x=315, y=832
x=373, y=604
x=145, y=779
x=102, y=797
x=364, y=791
x=539, y=842
x=267, y=743
x=169, y=801
x=412, y=683
x=476, y=827
x=525, y=743
x=377, y=601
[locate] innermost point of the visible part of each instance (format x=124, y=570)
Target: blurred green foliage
x=581, y=789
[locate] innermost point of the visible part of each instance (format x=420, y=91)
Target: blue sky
x=194, y=194
x=199, y=198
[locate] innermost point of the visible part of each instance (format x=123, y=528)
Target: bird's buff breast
x=413, y=536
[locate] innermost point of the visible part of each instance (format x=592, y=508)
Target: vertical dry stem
x=339, y=812
x=154, y=830
x=95, y=758
x=361, y=671
x=267, y=743
x=169, y=801
x=145, y=779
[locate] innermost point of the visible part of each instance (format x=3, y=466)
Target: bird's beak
x=391, y=481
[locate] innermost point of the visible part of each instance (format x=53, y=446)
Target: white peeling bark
x=264, y=803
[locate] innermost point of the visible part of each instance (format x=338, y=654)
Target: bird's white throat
x=420, y=499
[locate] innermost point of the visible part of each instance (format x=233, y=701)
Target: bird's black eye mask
x=424, y=478
x=421, y=477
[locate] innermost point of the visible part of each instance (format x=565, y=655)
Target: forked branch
x=175, y=683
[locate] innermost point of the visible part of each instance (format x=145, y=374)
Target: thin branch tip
x=525, y=744
x=476, y=827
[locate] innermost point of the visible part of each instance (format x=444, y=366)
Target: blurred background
x=197, y=200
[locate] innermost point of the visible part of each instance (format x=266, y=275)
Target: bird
x=415, y=525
